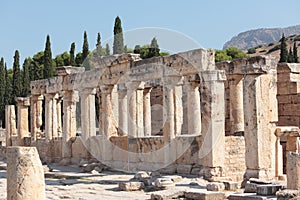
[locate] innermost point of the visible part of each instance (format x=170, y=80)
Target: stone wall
x=235, y=165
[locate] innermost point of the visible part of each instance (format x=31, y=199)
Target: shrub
x=251, y=51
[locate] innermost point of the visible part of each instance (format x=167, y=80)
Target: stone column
x=194, y=110
x=23, y=130
x=88, y=113
x=236, y=104
x=48, y=116
x=135, y=108
x=147, y=111
x=108, y=125
x=59, y=121
x=69, y=122
x=10, y=124
x=35, y=116
x=212, y=150
x=293, y=171
x=260, y=115
x=178, y=95
x=25, y=174
x=170, y=83
x=123, y=122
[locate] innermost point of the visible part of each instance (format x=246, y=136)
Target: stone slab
x=249, y=196
x=131, y=186
x=267, y=190
x=215, y=186
x=204, y=195
x=174, y=193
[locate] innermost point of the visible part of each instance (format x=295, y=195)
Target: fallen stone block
x=141, y=175
x=164, y=183
x=288, y=194
x=247, y=196
x=204, y=195
x=173, y=193
x=174, y=178
x=267, y=190
x=131, y=186
x=230, y=185
x=215, y=187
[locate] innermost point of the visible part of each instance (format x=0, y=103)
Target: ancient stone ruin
x=181, y=113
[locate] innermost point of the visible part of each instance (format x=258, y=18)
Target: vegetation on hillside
x=229, y=54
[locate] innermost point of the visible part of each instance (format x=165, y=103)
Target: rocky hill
x=254, y=38
x=273, y=48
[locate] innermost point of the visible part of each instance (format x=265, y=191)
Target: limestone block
x=25, y=174
x=174, y=178
x=250, y=187
x=215, y=187
x=247, y=197
x=230, y=185
x=164, y=183
x=173, y=193
x=204, y=195
x=266, y=190
x=131, y=186
x=141, y=175
x=293, y=171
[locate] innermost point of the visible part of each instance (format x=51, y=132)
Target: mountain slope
x=253, y=38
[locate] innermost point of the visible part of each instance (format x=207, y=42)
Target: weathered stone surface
x=204, y=195
x=174, y=178
x=293, y=171
x=215, y=187
x=247, y=196
x=288, y=194
x=141, y=175
x=250, y=187
x=230, y=185
x=174, y=193
x=25, y=175
x=267, y=190
x=131, y=186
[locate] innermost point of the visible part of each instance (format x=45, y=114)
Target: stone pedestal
x=25, y=175
x=10, y=124
x=23, y=131
x=69, y=122
x=260, y=115
x=88, y=113
x=211, y=153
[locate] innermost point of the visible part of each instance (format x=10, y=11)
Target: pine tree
x=118, y=46
x=154, y=48
x=107, y=50
x=17, y=79
x=2, y=92
x=72, y=54
x=290, y=56
x=85, y=47
x=295, y=53
x=283, y=50
x=98, y=45
x=49, y=70
x=26, y=78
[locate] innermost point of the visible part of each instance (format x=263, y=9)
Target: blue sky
x=208, y=24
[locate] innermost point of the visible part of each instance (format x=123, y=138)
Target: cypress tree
x=154, y=48
x=26, y=78
x=72, y=54
x=118, y=46
x=2, y=92
x=107, y=50
x=8, y=88
x=49, y=70
x=283, y=50
x=290, y=56
x=98, y=45
x=85, y=47
x=17, y=79
x=295, y=53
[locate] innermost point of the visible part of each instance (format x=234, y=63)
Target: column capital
x=70, y=95
x=105, y=89
x=36, y=97
x=87, y=91
x=135, y=85
x=23, y=101
x=51, y=95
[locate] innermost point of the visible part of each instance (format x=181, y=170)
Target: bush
x=251, y=51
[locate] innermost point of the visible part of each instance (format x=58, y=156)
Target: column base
x=266, y=174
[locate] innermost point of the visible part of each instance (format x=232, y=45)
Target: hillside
x=273, y=49
x=253, y=38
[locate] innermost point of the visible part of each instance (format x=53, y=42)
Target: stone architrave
x=25, y=174
x=10, y=124
x=22, y=122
